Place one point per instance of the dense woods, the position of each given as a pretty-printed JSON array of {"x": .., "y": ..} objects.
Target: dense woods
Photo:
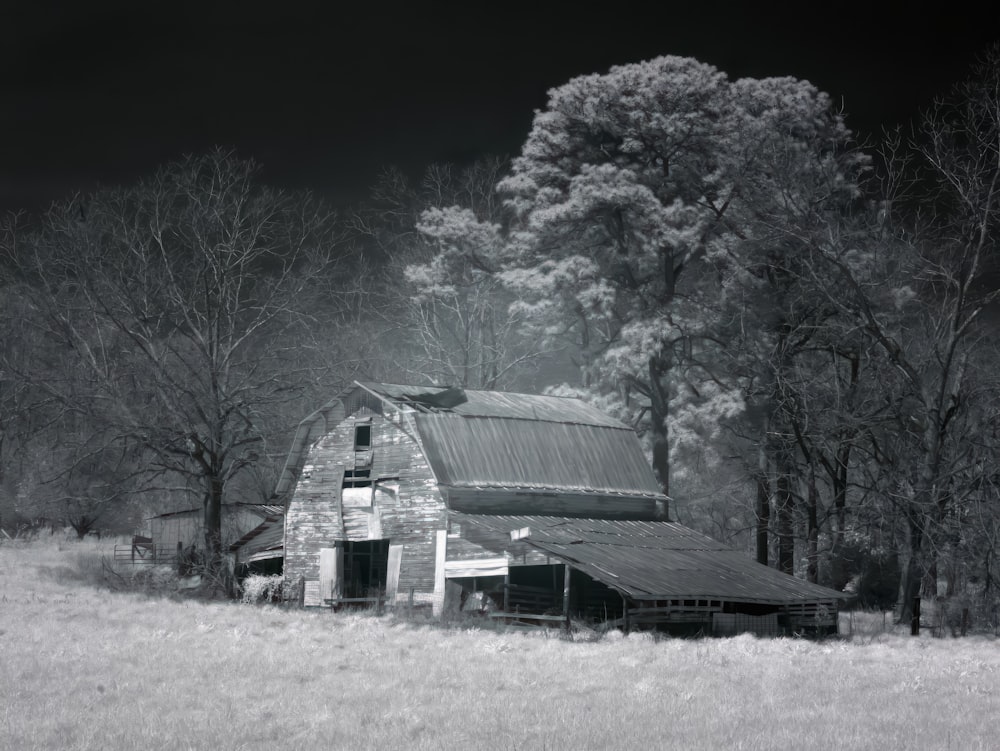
[{"x": 802, "y": 327}]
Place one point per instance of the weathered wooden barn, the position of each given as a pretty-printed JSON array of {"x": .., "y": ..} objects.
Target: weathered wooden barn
[{"x": 530, "y": 508}]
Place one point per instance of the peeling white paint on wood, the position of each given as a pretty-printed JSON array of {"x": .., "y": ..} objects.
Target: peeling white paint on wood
[
  {"x": 331, "y": 572},
  {"x": 470, "y": 568},
  {"x": 392, "y": 572},
  {"x": 441, "y": 551}
]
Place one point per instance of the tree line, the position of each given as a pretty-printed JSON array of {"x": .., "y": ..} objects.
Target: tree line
[{"x": 801, "y": 326}]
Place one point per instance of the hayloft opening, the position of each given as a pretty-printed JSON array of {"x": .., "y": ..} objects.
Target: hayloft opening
[
  {"x": 362, "y": 437},
  {"x": 357, "y": 478}
]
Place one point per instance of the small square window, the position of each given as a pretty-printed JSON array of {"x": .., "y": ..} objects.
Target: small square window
[{"x": 362, "y": 437}]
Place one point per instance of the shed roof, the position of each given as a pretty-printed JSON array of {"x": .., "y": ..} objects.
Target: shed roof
[
  {"x": 647, "y": 560},
  {"x": 266, "y": 540},
  {"x": 262, "y": 510}
]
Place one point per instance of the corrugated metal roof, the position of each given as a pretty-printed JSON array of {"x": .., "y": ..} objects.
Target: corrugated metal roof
[
  {"x": 495, "y": 452},
  {"x": 260, "y": 509},
  {"x": 266, "y": 540},
  {"x": 652, "y": 560},
  {"x": 558, "y": 409}
]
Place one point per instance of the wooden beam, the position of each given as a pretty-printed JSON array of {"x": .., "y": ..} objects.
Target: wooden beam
[
  {"x": 392, "y": 573},
  {"x": 440, "y": 555},
  {"x": 331, "y": 572},
  {"x": 566, "y": 575}
]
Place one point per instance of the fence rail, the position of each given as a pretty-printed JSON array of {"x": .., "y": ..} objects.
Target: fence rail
[{"x": 143, "y": 551}]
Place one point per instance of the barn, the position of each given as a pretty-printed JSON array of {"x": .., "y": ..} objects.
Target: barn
[{"x": 532, "y": 509}]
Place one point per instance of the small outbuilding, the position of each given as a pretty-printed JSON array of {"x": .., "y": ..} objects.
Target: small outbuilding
[{"x": 529, "y": 508}]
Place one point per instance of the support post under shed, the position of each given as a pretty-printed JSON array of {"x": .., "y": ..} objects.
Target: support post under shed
[{"x": 566, "y": 574}]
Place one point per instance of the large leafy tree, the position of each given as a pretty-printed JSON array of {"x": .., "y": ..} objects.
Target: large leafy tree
[
  {"x": 184, "y": 310},
  {"x": 642, "y": 193}
]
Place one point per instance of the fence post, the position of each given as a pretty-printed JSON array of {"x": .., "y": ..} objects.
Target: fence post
[{"x": 915, "y": 618}]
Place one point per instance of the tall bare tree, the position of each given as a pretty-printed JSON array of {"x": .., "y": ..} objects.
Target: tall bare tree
[{"x": 187, "y": 309}]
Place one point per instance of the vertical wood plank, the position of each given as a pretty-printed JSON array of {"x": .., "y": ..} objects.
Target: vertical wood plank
[
  {"x": 327, "y": 572},
  {"x": 392, "y": 573},
  {"x": 440, "y": 554},
  {"x": 338, "y": 578}
]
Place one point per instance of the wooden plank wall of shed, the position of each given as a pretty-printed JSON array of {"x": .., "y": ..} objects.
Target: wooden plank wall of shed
[
  {"x": 181, "y": 527},
  {"x": 407, "y": 511},
  {"x": 187, "y": 527}
]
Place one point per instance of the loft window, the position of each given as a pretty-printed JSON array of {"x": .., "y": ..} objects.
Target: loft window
[
  {"x": 362, "y": 437},
  {"x": 357, "y": 478},
  {"x": 357, "y": 489}
]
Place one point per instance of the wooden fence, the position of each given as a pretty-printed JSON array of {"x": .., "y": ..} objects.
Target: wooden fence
[{"x": 144, "y": 550}]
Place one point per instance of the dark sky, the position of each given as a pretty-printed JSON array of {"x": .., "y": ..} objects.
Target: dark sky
[{"x": 101, "y": 93}]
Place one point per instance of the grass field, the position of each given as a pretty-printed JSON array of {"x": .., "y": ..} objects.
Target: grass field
[{"x": 87, "y": 668}]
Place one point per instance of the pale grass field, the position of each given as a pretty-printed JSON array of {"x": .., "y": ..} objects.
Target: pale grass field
[{"x": 85, "y": 668}]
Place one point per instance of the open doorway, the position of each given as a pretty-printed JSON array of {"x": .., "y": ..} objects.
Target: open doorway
[{"x": 365, "y": 565}]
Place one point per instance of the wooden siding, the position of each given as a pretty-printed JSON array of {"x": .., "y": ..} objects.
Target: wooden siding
[
  {"x": 406, "y": 508},
  {"x": 187, "y": 527}
]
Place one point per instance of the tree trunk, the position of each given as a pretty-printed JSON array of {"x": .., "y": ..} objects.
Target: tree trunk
[
  {"x": 838, "y": 479},
  {"x": 658, "y": 419},
  {"x": 213, "y": 526},
  {"x": 763, "y": 510},
  {"x": 784, "y": 504},
  {"x": 912, "y": 570},
  {"x": 812, "y": 529}
]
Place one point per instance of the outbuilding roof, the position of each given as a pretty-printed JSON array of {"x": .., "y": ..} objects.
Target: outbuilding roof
[
  {"x": 645, "y": 560},
  {"x": 264, "y": 541}
]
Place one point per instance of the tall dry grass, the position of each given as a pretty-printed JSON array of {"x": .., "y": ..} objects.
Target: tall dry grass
[{"x": 88, "y": 668}]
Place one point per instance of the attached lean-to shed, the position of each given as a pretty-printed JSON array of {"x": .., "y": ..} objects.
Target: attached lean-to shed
[
  {"x": 641, "y": 573},
  {"x": 184, "y": 530},
  {"x": 530, "y": 508}
]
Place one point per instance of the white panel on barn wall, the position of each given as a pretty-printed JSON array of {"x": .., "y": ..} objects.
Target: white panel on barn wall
[
  {"x": 440, "y": 553},
  {"x": 470, "y": 568},
  {"x": 357, "y": 524},
  {"x": 330, "y": 572},
  {"x": 392, "y": 572},
  {"x": 357, "y": 497}
]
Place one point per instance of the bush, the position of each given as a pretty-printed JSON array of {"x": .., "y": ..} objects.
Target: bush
[{"x": 256, "y": 588}]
